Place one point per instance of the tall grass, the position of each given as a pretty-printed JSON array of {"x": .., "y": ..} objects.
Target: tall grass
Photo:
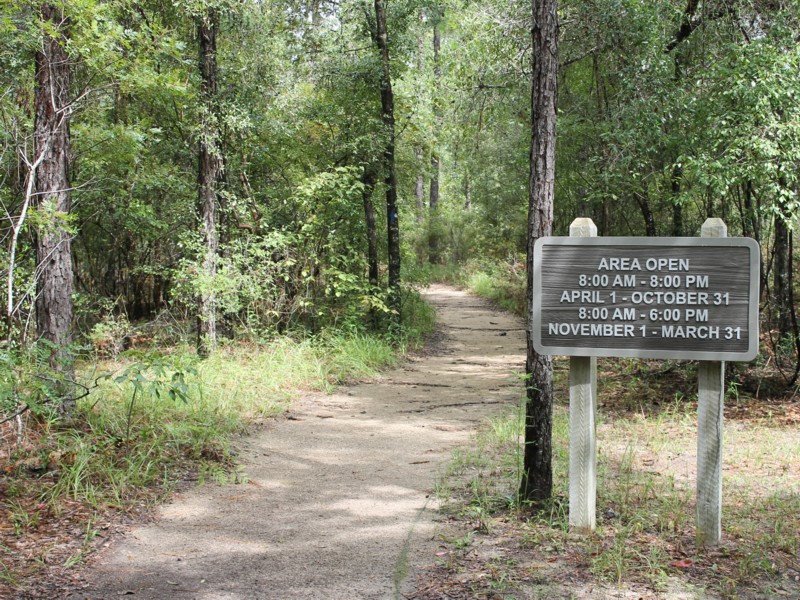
[
  {"x": 137, "y": 441},
  {"x": 502, "y": 282},
  {"x": 646, "y": 503},
  {"x": 151, "y": 420}
]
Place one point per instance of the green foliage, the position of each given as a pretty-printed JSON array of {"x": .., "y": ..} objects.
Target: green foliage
[
  {"x": 752, "y": 102},
  {"x": 29, "y": 383},
  {"x": 501, "y": 282},
  {"x": 311, "y": 271},
  {"x": 703, "y": 125},
  {"x": 645, "y": 504},
  {"x": 417, "y": 319}
]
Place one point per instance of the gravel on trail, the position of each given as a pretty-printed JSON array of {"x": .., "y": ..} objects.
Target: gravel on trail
[{"x": 339, "y": 497}]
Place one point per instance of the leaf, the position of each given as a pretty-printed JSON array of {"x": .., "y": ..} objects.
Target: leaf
[{"x": 686, "y": 563}]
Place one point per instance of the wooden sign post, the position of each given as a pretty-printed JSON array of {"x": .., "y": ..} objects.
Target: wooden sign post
[
  {"x": 582, "y": 424},
  {"x": 710, "y": 399},
  {"x": 681, "y": 298}
]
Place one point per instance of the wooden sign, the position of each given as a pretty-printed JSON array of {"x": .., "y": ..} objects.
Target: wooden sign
[{"x": 681, "y": 298}]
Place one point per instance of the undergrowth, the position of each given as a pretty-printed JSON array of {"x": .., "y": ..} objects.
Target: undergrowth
[
  {"x": 645, "y": 537},
  {"x": 153, "y": 419},
  {"x": 502, "y": 282}
]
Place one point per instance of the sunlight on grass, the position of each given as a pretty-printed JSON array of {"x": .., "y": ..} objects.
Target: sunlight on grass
[
  {"x": 646, "y": 501},
  {"x": 500, "y": 283},
  {"x": 156, "y": 417},
  {"x": 134, "y": 441}
]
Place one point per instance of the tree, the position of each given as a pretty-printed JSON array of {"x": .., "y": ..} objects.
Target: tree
[
  {"x": 369, "y": 179},
  {"x": 389, "y": 174},
  {"x": 209, "y": 176},
  {"x": 52, "y": 104},
  {"x": 537, "y": 476},
  {"x": 419, "y": 188},
  {"x": 433, "y": 203}
]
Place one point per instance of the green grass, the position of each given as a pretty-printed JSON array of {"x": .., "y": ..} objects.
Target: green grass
[
  {"x": 645, "y": 502},
  {"x": 154, "y": 420},
  {"x": 503, "y": 286},
  {"x": 132, "y": 440},
  {"x": 502, "y": 282}
]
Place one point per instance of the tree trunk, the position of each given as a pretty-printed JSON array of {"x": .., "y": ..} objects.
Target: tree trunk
[
  {"x": 433, "y": 200},
  {"x": 369, "y": 179},
  {"x": 420, "y": 189},
  {"x": 54, "y": 282},
  {"x": 782, "y": 278},
  {"x": 677, "y": 208},
  {"x": 467, "y": 191},
  {"x": 537, "y": 475},
  {"x": 390, "y": 179},
  {"x": 647, "y": 213},
  {"x": 420, "y": 152},
  {"x": 433, "y": 211},
  {"x": 752, "y": 216},
  {"x": 209, "y": 173}
]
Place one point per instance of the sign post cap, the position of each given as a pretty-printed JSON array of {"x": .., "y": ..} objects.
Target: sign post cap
[
  {"x": 583, "y": 227},
  {"x": 714, "y": 227}
]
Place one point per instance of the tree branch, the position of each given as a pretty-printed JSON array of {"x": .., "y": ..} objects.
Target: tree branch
[{"x": 689, "y": 23}]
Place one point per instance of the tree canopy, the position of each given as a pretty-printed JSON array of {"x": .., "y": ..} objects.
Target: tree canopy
[{"x": 669, "y": 112}]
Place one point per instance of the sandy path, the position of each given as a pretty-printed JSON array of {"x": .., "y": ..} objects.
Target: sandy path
[{"x": 340, "y": 494}]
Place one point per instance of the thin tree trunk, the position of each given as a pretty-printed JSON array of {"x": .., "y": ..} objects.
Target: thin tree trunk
[
  {"x": 537, "y": 475},
  {"x": 390, "y": 179},
  {"x": 752, "y": 217},
  {"x": 420, "y": 189},
  {"x": 53, "y": 240},
  {"x": 467, "y": 191},
  {"x": 209, "y": 173},
  {"x": 420, "y": 152},
  {"x": 433, "y": 211},
  {"x": 647, "y": 213},
  {"x": 782, "y": 278},
  {"x": 433, "y": 200},
  {"x": 677, "y": 208},
  {"x": 369, "y": 180}
]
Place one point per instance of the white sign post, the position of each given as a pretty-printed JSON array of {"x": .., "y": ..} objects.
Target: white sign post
[
  {"x": 679, "y": 298},
  {"x": 710, "y": 398},
  {"x": 582, "y": 423}
]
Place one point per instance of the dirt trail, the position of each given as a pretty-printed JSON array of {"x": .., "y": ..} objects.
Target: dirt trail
[{"x": 340, "y": 493}]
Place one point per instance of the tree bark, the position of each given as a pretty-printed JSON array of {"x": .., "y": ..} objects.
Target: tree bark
[
  {"x": 54, "y": 282},
  {"x": 647, "y": 213},
  {"x": 209, "y": 174},
  {"x": 420, "y": 152},
  {"x": 467, "y": 191},
  {"x": 689, "y": 23},
  {"x": 420, "y": 188},
  {"x": 537, "y": 475},
  {"x": 369, "y": 179},
  {"x": 782, "y": 277},
  {"x": 433, "y": 200},
  {"x": 677, "y": 208},
  {"x": 390, "y": 178},
  {"x": 752, "y": 217}
]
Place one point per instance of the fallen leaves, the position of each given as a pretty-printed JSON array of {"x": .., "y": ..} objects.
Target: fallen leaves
[{"x": 686, "y": 563}]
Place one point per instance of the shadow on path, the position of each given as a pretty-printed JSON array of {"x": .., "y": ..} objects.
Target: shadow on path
[{"x": 339, "y": 496}]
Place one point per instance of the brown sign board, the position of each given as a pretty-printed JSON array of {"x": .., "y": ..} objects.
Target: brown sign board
[{"x": 682, "y": 298}]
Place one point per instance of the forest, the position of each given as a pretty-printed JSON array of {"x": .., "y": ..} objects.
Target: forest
[
  {"x": 186, "y": 181},
  {"x": 258, "y": 166}
]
